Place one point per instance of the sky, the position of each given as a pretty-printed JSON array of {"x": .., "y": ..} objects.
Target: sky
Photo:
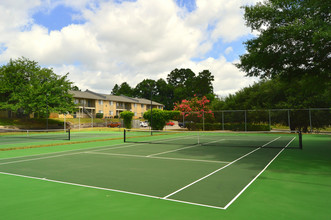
[{"x": 101, "y": 43}]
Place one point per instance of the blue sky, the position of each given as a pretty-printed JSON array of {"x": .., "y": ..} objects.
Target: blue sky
[
  {"x": 128, "y": 40},
  {"x": 57, "y": 18}
]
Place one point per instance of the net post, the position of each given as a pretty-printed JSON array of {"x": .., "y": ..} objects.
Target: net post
[
  {"x": 124, "y": 135},
  {"x": 300, "y": 140},
  {"x": 69, "y": 136}
]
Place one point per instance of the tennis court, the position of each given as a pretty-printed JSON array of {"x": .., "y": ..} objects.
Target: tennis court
[
  {"x": 205, "y": 169},
  {"x": 16, "y": 139}
]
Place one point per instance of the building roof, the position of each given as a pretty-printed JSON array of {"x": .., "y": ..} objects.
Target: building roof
[
  {"x": 98, "y": 96},
  {"x": 85, "y": 95}
]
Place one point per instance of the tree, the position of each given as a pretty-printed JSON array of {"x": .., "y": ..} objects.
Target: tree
[
  {"x": 186, "y": 84},
  {"x": 183, "y": 83},
  {"x": 158, "y": 117},
  {"x": 27, "y": 88},
  {"x": 127, "y": 117},
  {"x": 203, "y": 85},
  {"x": 123, "y": 89},
  {"x": 279, "y": 94},
  {"x": 164, "y": 94},
  {"x": 195, "y": 109},
  {"x": 294, "y": 39},
  {"x": 143, "y": 89}
]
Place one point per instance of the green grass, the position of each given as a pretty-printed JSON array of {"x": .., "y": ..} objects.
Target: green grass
[
  {"x": 296, "y": 185},
  {"x": 28, "y": 123}
]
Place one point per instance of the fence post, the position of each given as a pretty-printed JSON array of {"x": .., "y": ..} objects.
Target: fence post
[
  {"x": 64, "y": 122},
  {"x": 80, "y": 115},
  {"x": 203, "y": 120},
  {"x": 269, "y": 120},
  {"x": 223, "y": 120},
  {"x": 245, "y": 120},
  {"x": 289, "y": 119},
  {"x": 310, "y": 122}
]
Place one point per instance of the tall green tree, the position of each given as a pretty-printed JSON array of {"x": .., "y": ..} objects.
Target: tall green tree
[
  {"x": 204, "y": 85},
  {"x": 144, "y": 89},
  {"x": 164, "y": 94},
  {"x": 123, "y": 89},
  {"x": 28, "y": 88},
  {"x": 186, "y": 84},
  {"x": 294, "y": 39},
  {"x": 183, "y": 83}
]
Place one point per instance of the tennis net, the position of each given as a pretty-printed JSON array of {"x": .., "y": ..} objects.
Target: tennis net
[
  {"x": 219, "y": 139},
  {"x": 54, "y": 134}
]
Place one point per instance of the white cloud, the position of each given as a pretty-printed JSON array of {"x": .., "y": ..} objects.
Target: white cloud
[
  {"x": 228, "y": 50},
  {"x": 128, "y": 42}
]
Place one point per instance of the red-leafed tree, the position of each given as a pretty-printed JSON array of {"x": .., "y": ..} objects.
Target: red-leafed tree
[{"x": 195, "y": 109}]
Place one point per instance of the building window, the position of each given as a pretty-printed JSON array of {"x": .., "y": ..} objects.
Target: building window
[
  {"x": 142, "y": 105},
  {"x": 76, "y": 101},
  {"x": 111, "y": 113},
  {"x": 110, "y": 102},
  {"x": 135, "y": 114},
  {"x": 119, "y": 105},
  {"x": 135, "y": 105},
  {"x": 100, "y": 102},
  {"x": 100, "y": 111}
]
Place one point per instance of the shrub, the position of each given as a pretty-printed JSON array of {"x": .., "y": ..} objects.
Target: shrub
[
  {"x": 99, "y": 115},
  {"x": 227, "y": 126},
  {"x": 159, "y": 117},
  {"x": 127, "y": 118}
]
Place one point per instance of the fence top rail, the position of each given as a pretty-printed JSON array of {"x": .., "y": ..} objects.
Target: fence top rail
[{"x": 241, "y": 110}]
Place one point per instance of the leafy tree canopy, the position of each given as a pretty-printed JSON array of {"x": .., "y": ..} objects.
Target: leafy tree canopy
[
  {"x": 294, "y": 39},
  {"x": 123, "y": 89},
  {"x": 127, "y": 117},
  {"x": 195, "y": 109},
  {"x": 276, "y": 94},
  {"x": 158, "y": 118},
  {"x": 180, "y": 84},
  {"x": 26, "y": 87}
]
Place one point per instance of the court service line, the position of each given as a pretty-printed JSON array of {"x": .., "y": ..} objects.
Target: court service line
[
  {"x": 103, "y": 148},
  {"x": 40, "y": 158},
  {"x": 202, "y": 178},
  {"x": 164, "y": 158},
  {"x": 107, "y": 189},
  {"x": 81, "y": 185},
  {"x": 195, "y": 145},
  {"x": 235, "y": 198}
]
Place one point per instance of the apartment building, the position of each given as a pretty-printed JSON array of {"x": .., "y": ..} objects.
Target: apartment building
[{"x": 89, "y": 103}]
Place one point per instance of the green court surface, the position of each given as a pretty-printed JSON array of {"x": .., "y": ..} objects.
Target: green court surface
[
  {"x": 20, "y": 139},
  {"x": 266, "y": 178}
]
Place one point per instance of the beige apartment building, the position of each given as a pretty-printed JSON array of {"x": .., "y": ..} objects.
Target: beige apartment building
[{"x": 89, "y": 103}]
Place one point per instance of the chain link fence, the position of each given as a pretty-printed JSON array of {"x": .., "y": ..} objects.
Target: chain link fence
[{"x": 314, "y": 120}]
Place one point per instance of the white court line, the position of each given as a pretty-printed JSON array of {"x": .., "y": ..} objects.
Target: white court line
[
  {"x": 145, "y": 195},
  {"x": 172, "y": 150},
  {"x": 40, "y": 158},
  {"x": 165, "y": 158},
  {"x": 76, "y": 184},
  {"x": 234, "y": 199},
  {"x": 107, "y": 189},
  {"x": 217, "y": 170},
  {"x": 194, "y": 203},
  {"x": 104, "y": 147},
  {"x": 195, "y": 145}
]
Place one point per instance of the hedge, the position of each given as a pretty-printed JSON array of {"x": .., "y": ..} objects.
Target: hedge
[{"x": 227, "y": 126}]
